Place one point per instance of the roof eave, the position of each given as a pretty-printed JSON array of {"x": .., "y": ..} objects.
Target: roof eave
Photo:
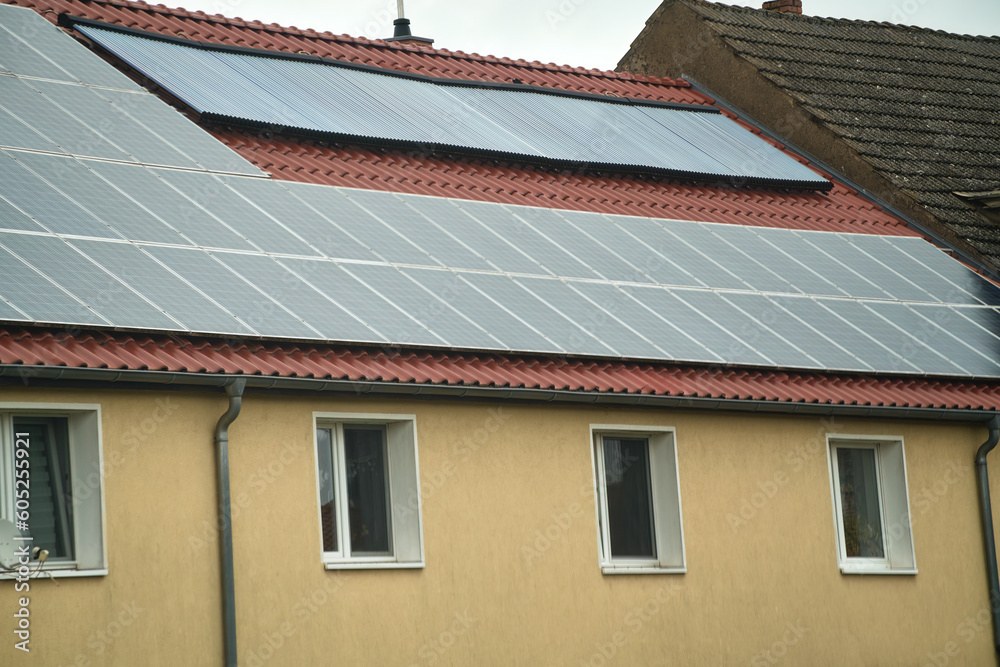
[{"x": 46, "y": 375}]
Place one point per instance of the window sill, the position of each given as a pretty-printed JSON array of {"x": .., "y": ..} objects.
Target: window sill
[
  {"x": 861, "y": 569},
  {"x": 372, "y": 565},
  {"x": 649, "y": 569},
  {"x": 56, "y": 574}
]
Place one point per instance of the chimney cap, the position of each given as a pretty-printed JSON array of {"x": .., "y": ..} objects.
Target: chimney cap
[
  {"x": 402, "y": 34},
  {"x": 783, "y": 6}
]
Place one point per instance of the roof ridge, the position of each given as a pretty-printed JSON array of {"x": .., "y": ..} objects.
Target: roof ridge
[
  {"x": 787, "y": 16},
  {"x": 382, "y": 44}
]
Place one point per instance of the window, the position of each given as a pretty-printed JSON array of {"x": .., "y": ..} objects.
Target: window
[
  {"x": 369, "y": 492},
  {"x": 871, "y": 508},
  {"x": 638, "y": 500},
  {"x": 50, "y": 468}
]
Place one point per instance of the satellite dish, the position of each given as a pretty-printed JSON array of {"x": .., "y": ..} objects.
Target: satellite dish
[{"x": 8, "y": 545}]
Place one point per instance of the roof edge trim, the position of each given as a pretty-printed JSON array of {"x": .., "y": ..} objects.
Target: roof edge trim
[
  {"x": 153, "y": 379},
  {"x": 70, "y": 21}
]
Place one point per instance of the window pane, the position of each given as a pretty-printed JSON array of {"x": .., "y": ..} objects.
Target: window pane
[
  {"x": 50, "y": 491},
  {"x": 327, "y": 504},
  {"x": 367, "y": 491},
  {"x": 630, "y": 515},
  {"x": 859, "y": 503}
]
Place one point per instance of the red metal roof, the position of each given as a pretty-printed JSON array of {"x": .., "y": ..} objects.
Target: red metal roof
[
  {"x": 122, "y": 351},
  {"x": 289, "y": 158}
]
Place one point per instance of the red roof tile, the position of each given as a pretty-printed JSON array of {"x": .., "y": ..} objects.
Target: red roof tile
[
  {"x": 121, "y": 351},
  {"x": 292, "y": 159}
]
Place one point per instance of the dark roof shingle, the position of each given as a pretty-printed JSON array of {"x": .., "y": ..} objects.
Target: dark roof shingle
[{"x": 921, "y": 106}]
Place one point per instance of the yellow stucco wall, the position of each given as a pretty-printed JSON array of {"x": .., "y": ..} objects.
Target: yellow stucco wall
[{"x": 510, "y": 536}]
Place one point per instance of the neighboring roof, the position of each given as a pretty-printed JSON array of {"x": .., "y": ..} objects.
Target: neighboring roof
[
  {"x": 420, "y": 172},
  {"x": 30, "y": 348},
  {"x": 920, "y": 106}
]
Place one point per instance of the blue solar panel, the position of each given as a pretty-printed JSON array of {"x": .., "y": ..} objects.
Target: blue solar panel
[
  {"x": 32, "y": 46},
  {"x": 213, "y": 194},
  {"x": 41, "y": 201},
  {"x": 104, "y": 202},
  {"x": 11, "y": 218},
  {"x": 180, "y": 300},
  {"x": 366, "y": 304},
  {"x": 9, "y": 312},
  {"x": 672, "y": 242},
  {"x": 56, "y": 96},
  {"x": 431, "y": 310},
  {"x": 580, "y": 247},
  {"x": 406, "y": 220},
  {"x": 489, "y": 231},
  {"x": 38, "y": 296},
  {"x": 295, "y": 294},
  {"x": 649, "y": 322},
  {"x": 570, "y": 336},
  {"x": 17, "y": 133},
  {"x": 753, "y": 320},
  {"x": 750, "y": 305},
  {"x": 92, "y": 109},
  {"x": 960, "y": 284},
  {"x": 540, "y": 125},
  {"x": 945, "y": 341},
  {"x": 23, "y": 99},
  {"x": 238, "y": 296},
  {"x": 594, "y": 315},
  {"x": 769, "y": 312},
  {"x": 363, "y": 227},
  {"x": 506, "y": 327},
  {"x": 191, "y": 221},
  {"x": 90, "y": 283},
  {"x": 702, "y": 327}
]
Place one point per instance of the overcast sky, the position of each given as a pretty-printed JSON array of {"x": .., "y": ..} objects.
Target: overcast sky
[{"x": 588, "y": 33}]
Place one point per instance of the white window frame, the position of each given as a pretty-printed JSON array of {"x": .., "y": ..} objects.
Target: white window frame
[
  {"x": 86, "y": 453},
  {"x": 894, "y": 504},
  {"x": 403, "y": 473},
  {"x": 668, "y": 524}
]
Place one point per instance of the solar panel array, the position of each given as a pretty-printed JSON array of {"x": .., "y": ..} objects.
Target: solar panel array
[
  {"x": 58, "y": 97},
  {"x": 374, "y": 106},
  {"x": 108, "y": 242},
  {"x": 129, "y": 246}
]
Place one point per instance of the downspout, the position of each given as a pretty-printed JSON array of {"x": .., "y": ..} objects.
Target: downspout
[
  {"x": 235, "y": 391},
  {"x": 982, "y": 473}
]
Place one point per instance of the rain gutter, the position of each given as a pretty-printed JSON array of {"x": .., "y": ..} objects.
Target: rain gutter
[
  {"x": 234, "y": 389},
  {"x": 986, "y": 512}
]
